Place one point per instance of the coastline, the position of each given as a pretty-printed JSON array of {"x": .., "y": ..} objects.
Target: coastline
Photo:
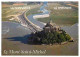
[{"x": 16, "y": 40}]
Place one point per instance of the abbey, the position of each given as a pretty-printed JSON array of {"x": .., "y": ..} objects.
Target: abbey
[
  {"x": 50, "y": 27},
  {"x": 51, "y": 34}
]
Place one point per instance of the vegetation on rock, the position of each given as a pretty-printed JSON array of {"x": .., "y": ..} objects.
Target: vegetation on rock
[
  {"x": 49, "y": 37},
  {"x": 50, "y": 34}
]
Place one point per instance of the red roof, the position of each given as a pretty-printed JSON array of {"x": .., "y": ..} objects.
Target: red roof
[{"x": 18, "y": 4}]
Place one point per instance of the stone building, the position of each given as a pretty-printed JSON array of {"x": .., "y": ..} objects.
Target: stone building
[{"x": 50, "y": 26}]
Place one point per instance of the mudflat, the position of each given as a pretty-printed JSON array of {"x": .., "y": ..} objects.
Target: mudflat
[{"x": 16, "y": 43}]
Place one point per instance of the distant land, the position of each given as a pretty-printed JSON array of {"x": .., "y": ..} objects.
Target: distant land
[{"x": 19, "y": 24}]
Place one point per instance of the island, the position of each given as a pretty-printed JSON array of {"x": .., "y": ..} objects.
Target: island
[{"x": 51, "y": 34}]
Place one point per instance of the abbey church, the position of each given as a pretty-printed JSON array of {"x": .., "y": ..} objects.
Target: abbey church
[{"x": 50, "y": 26}]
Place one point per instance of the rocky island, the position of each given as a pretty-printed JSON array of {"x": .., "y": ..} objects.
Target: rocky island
[{"x": 51, "y": 34}]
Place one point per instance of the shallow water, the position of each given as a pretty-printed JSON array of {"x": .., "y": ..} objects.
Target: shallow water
[
  {"x": 72, "y": 30},
  {"x": 45, "y": 11},
  {"x": 12, "y": 29},
  {"x": 15, "y": 30}
]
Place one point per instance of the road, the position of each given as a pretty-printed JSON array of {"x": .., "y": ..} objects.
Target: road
[
  {"x": 32, "y": 23},
  {"x": 25, "y": 23}
]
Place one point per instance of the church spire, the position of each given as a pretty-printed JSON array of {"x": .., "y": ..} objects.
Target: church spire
[{"x": 50, "y": 22}]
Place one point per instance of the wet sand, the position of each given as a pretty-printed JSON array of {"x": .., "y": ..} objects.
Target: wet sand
[{"x": 15, "y": 39}]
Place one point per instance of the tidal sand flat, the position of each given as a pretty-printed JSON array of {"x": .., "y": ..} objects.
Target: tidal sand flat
[
  {"x": 14, "y": 35},
  {"x": 11, "y": 41}
]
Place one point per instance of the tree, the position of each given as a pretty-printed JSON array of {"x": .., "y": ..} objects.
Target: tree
[
  {"x": 67, "y": 37},
  {"x": 50, "y": 37}
]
